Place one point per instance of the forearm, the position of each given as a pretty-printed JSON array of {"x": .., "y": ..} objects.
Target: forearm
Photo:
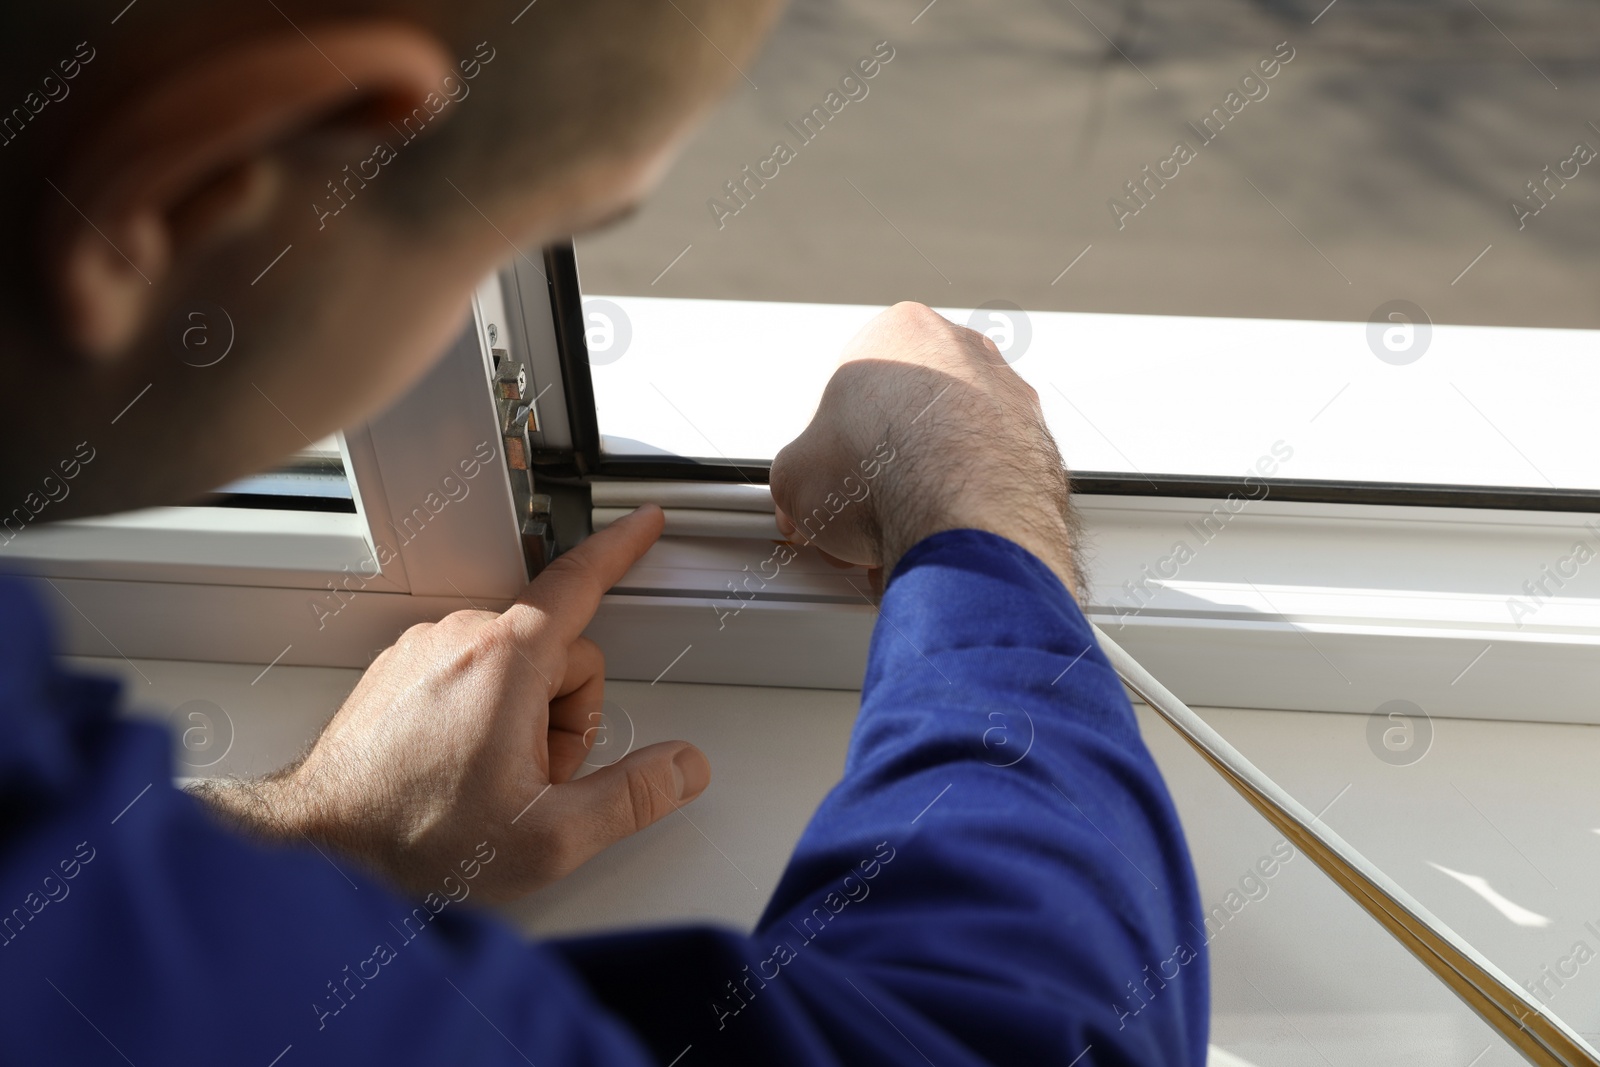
[
  {"x": 287, "y": 807},
  {"x": 1038, "y": 867},
  {"x": 266, "y": 808}
]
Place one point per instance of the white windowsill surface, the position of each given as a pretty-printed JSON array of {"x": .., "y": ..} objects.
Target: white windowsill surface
[{"x": 1299, "y": 972}]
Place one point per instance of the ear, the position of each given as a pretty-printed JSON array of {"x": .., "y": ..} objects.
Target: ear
[{"x": 194, "y": 152}]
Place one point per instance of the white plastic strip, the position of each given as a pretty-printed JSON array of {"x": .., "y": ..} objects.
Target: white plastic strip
[
  {"x": 702, "y": 522},
  {"x": 705, "y": 496}
]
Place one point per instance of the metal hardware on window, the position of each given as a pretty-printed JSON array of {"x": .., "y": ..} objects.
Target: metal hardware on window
[{"x": 517, "y": 421}]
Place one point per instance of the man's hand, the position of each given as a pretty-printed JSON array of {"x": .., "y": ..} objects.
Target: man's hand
[
  {"x": 471, "y": 730},
  {"x": 923, "y": 428}
]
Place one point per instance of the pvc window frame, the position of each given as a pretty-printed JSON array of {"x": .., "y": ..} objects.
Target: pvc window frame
[
  {"x": 1322, "y": 596},
  {"x": 269, "y": 586}
]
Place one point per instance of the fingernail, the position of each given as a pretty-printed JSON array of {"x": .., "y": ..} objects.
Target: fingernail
[{"x": 690, "y": 773}]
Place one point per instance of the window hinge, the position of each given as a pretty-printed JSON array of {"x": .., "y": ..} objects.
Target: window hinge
[{"x": 517, "y": 423}]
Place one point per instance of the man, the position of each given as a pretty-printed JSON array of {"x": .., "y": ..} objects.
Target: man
[{"x": 168, "y": 152}]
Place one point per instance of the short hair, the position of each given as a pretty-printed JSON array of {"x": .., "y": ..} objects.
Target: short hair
[
  {"x": 571, "y": 81},
  {"x": 578, "y": 80}
]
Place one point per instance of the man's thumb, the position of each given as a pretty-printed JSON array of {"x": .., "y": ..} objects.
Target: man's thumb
[{"x": 641, "y": 788}]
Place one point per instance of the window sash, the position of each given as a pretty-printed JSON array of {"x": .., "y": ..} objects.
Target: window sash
[{"x": 305, "y": 587}]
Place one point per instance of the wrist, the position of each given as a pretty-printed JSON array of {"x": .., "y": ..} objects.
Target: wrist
[
  {"x": 1047, "y": 528},
  {"x": 1051, "y": 550},
  {"x": 266, "y": 807}
]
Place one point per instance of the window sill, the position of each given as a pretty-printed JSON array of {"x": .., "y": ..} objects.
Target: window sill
[
  {"x": 209, "y": 545},
  {"x": 1306, "y": 607}
]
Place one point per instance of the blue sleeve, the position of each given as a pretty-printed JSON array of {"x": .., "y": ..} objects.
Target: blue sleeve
[
  {"x": 134, "y": 929},
  {"x": 1000, "y": 878}
]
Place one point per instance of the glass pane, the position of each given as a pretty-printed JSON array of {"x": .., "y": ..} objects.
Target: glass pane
[
  {"x": 1361, "y": 233},
  {"x": 313, "y": 479}
]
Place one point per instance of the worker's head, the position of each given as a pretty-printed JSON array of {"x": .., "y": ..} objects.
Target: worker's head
[{"x": 333, "y": 175}]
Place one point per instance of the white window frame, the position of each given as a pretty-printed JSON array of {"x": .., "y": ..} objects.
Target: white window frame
[
  {"x": 1340, "y": 604},
  {"x": 247, "y": 585},
  {"x": 1301, "y": 605},
  {"x": 1266, "y": 617}
]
